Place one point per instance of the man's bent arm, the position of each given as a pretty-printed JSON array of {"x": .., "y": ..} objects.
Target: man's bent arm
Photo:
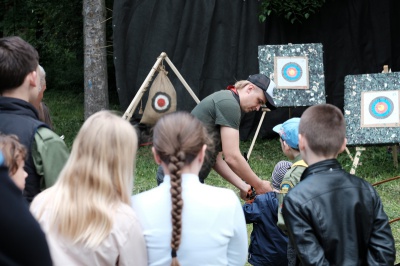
[
  {"x": 235, "y": 160},
  {"x": 223, "y": 170}
]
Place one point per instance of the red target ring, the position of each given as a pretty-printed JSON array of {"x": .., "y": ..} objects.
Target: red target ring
[{"x": 161, "y": 102}]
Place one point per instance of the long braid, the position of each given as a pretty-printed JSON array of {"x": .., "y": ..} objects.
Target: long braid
[
  {"x": 178, "y": 138},
  {"x": 175, "y": 166}
]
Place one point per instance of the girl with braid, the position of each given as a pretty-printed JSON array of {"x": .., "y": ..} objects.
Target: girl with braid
[{"x": 186, "y": 222}]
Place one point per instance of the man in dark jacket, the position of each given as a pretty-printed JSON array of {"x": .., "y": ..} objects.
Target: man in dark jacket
[
  {"x": 19, "y": 87},
  {"x": 333, "y": 217}
]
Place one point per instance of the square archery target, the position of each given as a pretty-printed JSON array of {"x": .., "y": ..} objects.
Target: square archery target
[
  {"x": 371, "y": 108},
  {"x": 380, "y": 109},
  {"x": 298, "y": 72},
  {"x": 291, "y": 72}
]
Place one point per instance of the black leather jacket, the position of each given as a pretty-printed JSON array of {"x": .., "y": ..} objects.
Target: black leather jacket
[{"x": 335, "y": 218}]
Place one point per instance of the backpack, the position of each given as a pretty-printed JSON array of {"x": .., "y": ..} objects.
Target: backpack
[{"x": 288, "y": 182}]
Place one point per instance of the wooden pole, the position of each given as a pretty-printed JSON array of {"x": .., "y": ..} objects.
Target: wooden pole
[
  {"x": 131, "y": 108},
  {"x": 386, "y": 180},
  {"x": 356, "y": 159},
  {"x": 182, "y": 79},
  {"x": 256, "y": 134}
]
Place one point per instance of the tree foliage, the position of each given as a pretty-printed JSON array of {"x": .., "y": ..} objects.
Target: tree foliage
[
  {"x": 292, "y": 10},
  {"x": 55, "y": 29}
]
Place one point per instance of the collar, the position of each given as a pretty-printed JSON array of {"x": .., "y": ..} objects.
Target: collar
[
  {"x": 321, "y": 166},
  {"x": 234, "y": 93},
  {"x": 18, "y": 106},
  {"x": 186, "y": 179}
]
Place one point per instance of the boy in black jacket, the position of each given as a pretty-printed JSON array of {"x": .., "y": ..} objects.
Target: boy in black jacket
[{"x": 333, "y": 217}]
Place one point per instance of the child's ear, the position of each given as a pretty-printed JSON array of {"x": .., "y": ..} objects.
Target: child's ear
[
  {"x": 343, "y": 147},
  {"x": 157, "y": 158},
  {"x": 301, "y": 142}
]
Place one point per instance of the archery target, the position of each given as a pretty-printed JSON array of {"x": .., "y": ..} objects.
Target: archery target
[
  {"x": 161, "y": 102},
  {"x": 291, "y": 72},
  {"x": 380, "y": 109}
]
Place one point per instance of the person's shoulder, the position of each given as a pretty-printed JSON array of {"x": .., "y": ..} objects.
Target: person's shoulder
[
  {"x": 148, "y": 198},
  {"x": 45, "y": 134},
  {"x": 222, "y": 95},
  {"x": 40, "y": 199},
  {"x": 126, "y": 211},
  {"x": 125, "y": 221}
]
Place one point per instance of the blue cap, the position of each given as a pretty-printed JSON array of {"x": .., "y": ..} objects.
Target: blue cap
[{"x": 289, "y": 132}]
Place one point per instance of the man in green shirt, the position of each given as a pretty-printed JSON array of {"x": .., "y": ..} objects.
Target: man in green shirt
[{"x": 221, "y": 113}]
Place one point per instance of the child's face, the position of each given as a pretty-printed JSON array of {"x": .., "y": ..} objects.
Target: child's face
[{"x": 20, "y": 175}]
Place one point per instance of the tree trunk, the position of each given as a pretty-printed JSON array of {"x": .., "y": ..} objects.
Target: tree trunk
[{"x": 95, "y": 56}]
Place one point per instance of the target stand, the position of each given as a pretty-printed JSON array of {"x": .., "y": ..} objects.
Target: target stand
[
  {"x": 163, "y": 56},
  {"x": 372, "y": 112}
]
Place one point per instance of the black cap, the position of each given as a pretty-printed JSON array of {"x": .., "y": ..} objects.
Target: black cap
[{"x": 267, "y": 85}]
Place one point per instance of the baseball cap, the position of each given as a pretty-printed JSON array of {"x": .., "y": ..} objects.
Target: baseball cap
[
  {"x": 267, "y": 85},
  {"x": 289, "y": 132}
]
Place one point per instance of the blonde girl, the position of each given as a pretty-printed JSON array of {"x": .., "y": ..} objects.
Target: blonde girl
[{"x": 86, "y": 215}]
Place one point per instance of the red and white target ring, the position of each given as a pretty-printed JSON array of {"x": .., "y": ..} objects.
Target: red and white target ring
[{"x": 161, "y": 102}]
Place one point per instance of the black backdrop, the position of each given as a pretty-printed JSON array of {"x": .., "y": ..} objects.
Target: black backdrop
[{"x": 215, "y": 42}]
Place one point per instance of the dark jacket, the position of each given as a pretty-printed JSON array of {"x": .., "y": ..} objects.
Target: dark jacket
[
  {"x": 22, "y": 241},
  {"x": 268, "y": 244},
  {"x": 335, "y": 218},
  {"x": 20, "y": 118}
]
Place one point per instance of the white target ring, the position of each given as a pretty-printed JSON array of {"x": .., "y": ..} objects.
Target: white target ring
[{"x": 161, "y": 102}]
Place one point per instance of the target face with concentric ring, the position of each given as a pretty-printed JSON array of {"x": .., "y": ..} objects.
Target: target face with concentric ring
[
  {"x": 291, "y": 72},
  {"x": 161, "y": 102},
  {"x": 381, "y": 107}
]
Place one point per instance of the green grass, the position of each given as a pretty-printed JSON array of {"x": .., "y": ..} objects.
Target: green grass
[{"x": 376, "y": 164}]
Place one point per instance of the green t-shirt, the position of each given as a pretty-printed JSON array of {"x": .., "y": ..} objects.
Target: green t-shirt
[{"x": 216, "y": 110}]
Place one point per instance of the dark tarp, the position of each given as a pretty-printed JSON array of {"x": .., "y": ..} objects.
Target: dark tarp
[{"x": 213, "y": 43}]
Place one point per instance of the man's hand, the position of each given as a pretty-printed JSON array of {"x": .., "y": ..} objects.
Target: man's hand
[
  {"x": 264, "y": 187},
  {"x": 244, "y": 192}
]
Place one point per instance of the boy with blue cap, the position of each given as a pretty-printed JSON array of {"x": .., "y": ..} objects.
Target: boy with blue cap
[{"x": 289, "y": 139}]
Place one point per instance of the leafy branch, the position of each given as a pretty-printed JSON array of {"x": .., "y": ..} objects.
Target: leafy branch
[{"x": 292, "y": 10}]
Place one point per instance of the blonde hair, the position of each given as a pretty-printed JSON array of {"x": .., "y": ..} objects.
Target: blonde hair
[
  {"x": 178, "y": 138},
  {"x": 13, "y": 152},
  {"x": 241, "y": 84},
  {"x": 97, "y": 177}
]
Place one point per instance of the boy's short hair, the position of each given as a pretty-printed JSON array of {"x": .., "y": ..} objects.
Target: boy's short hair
[
  {"x": 17, "y": 59},
  {"x": 324, "y": 128}
]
